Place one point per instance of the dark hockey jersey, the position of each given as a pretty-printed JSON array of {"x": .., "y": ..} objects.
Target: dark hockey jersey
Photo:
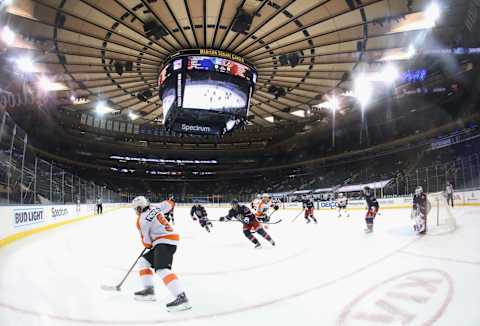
[
  {"x": 199, "y": 211},
  {"x": 243, "y": 214},
  {"x": 371, "y": 201},
  {"x": 420, "y": 202},
  {"x": 307, "y": 203}
]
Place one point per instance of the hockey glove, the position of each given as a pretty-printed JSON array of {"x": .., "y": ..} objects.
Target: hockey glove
[{"x": 275, "y": 207}]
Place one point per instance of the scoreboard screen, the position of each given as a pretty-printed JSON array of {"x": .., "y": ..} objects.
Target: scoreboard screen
[
  {"x": 205, "y": 94},
  {"x": 218, "y": 64}
]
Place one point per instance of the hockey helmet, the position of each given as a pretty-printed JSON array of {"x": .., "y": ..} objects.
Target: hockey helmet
[
  {"x": 234, "y": 203},
  {"x": 265, "y": 195},
  {"x": 140, "y": 202},
  {"x": 366, "y": 190},
  {"x": 419, "y": 190}
]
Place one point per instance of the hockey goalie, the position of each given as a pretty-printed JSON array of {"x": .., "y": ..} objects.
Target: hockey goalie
[{"x": 420, "y": 209}]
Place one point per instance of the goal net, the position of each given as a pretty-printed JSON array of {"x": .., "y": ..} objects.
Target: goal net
[{"x": 441, "y": 219}]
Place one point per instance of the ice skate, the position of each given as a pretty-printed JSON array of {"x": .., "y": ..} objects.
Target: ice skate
[
  {"x": 258, "y": 245},
  {"x": 272, "y": 242},
  {"x": 179, "y": 304},
  {"x": 147, "y": 294}
]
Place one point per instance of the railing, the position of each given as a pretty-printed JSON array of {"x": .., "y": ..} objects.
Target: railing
[
  {"x": 27, "y": 179},
  {"x": 463, "y": 173}
]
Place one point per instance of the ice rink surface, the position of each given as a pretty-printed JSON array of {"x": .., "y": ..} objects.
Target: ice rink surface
[{"x": 326, "y": 274}]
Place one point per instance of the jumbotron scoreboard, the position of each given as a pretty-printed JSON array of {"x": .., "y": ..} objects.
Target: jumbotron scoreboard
[{"x": 206, "y": 91}]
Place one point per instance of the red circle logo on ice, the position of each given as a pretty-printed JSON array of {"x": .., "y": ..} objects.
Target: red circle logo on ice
[{"x": 418, "y": 297}]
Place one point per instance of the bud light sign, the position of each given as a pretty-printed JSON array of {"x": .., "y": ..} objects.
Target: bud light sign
[{"x": 27, "y": 216}]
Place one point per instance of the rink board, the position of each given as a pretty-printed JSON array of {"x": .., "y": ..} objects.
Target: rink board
[{"x": 21, "y": 221}]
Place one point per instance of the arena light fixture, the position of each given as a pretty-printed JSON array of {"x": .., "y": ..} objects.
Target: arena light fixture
[
  {"x": 230, "y": 124},
  {"x": 411, "y": 52},
  {"x": 133, "y": 116},
  {"x": 432, "y": 14},
  {"x": 333, "y": 105},
  {"x": 26, "y": 64},
  {"x": 102, "y": 108},
  {"x": 270, "y": 119},
  {"x": 8, "y": 36},
  {"x": 389, "y": 74},
  {"x": 299, "y": 113},
  {"x": 363, "y": 90},
  {"x": 47, "y": 85}
]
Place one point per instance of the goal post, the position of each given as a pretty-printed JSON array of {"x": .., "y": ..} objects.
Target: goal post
[{"x": 441, "y": 218}]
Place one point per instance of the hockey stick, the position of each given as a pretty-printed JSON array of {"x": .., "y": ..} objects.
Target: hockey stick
[
  {"x": 119, "y": 285},
  {"x": 276, "y": 222},
  {"x": 298, "y": 215}
]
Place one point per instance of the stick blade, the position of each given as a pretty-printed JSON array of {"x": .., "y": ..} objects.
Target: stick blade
[{"x": 110, "y": 287}]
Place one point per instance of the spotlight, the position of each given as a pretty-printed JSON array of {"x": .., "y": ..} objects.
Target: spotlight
[
  {"x": 8, "y": 36},
  {"x": 45, "y": 84},
  {"x": 25, "y": 64},
  {"x": 389, "y": 74},
  {"x": 363, "y": 90},
  {"x": 102, "y": 108},
  {"x": 432, "y": 14},
  {"x": 132, "y": 116},
  {"x": 411, "y": 52},
  {"x": 333, "y": 103}
]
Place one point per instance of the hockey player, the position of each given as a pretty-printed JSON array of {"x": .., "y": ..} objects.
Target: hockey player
[
  {"x": 250, "y": 223},
  {"x": 263, "y": 206},
  {"x": 420, "y": 209},
  {"x": 198, "y": 211},
  {"x": 256, "y": 202},
  {"x": 158, "y": 236},
  {"x": 342, "y": 202},
  {"x": 372, "y": 205},
  {"x": 308, "y": 208}
]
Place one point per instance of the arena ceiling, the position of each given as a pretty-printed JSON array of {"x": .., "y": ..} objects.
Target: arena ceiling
[{"x": 80, "y": 43}]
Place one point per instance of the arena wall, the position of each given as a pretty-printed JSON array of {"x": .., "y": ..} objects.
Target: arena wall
[{"x": 17, "y": 222}]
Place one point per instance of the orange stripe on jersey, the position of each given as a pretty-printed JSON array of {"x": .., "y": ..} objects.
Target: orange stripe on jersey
[
  {"x": 146, "y": 271},
  {"x": 146, "y": 245},
  {"x": 169, "y": 278},
  {"x": 172, "y": 236}
]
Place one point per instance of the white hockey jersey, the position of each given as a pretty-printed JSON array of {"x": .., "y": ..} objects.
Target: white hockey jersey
[
  {"x": 342, "y": 201},
  {"x": 165, "y": 206},
  {"x": 155, "y": 229},
  {"x": 255, "y": 203},
  {"x": 262, "y": 208}
]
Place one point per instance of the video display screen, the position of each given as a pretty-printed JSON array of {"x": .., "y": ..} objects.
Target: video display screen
[
  {"x": 220, "y": 65},
  {"x": 204, "y": 94},
  {"x": 215, "y": 93},
  {"x": 164, "y": 74},
  {"x": 169, "y": 95}
]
